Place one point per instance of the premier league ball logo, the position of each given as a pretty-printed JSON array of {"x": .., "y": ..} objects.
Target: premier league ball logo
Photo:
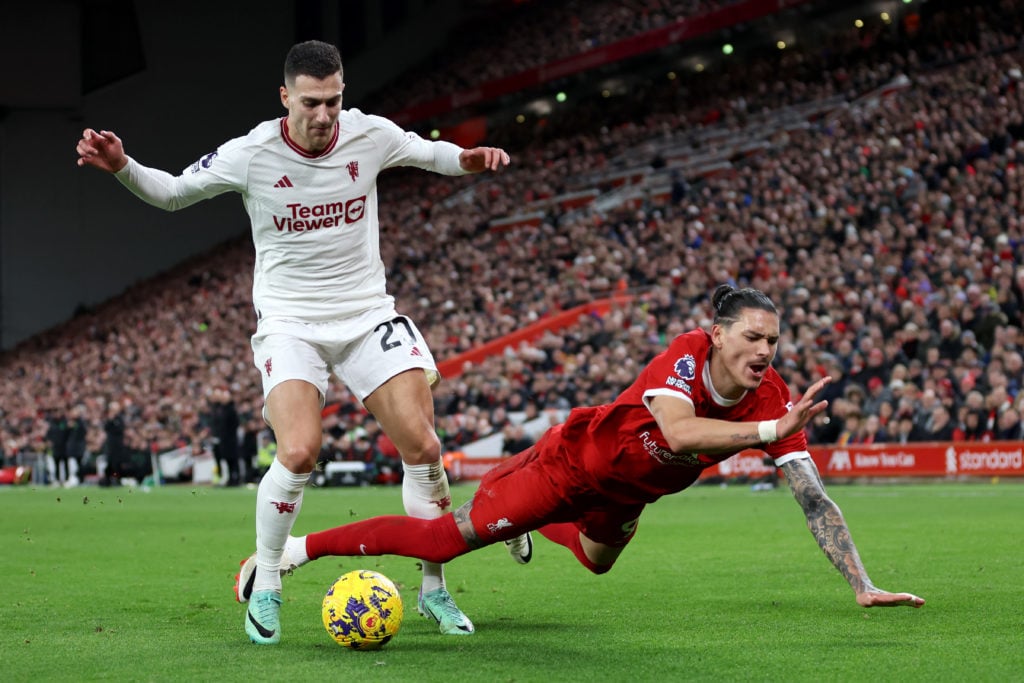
[
  {"x": 686, "y": 367},
  {"x": 362, "y": 610}
]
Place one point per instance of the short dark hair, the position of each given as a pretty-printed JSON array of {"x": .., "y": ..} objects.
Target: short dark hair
[
  {"x": 728, "y": 302},
  {"x": 312, "y": 58}
]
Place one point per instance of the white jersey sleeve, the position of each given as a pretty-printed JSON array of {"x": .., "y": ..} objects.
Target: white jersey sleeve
[
  {"x": 405, "y": 148},
  {"x": 171, "y": 193}
]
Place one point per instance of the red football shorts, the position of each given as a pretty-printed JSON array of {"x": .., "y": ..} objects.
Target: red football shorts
[{"x": 543, "y": 485}]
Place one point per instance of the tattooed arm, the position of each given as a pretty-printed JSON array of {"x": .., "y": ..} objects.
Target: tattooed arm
[{"x": 826, "y": 523}]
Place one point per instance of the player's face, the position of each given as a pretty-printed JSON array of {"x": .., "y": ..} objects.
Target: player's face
[
  {"x": 743, "y": 351},
  {"x": 313, "y": 106}
]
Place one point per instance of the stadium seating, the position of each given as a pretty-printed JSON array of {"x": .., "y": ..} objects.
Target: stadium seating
[{"x": 872, "y": 192}]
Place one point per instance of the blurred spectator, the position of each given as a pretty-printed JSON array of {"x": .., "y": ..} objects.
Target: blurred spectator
[
  {"x": 1009, "y": 426},
  {"x": 878, "y": 395},
  {"x": 872, "y": 431},
  {"x": 249, "y": 448},
  {"x": 516, "y": 439},
  {"x": 875, "y": 372},
  {"x": 78, "y": 432},
  {"x": 972, "y": 426},
  {"x": 906, "y": 431},
  {"x": 114, "y": 446},
  {"x": 950, "y": 346},
  {"x": 57, "y": 435},
  {"x": 224, "y": 424},
  {"x": 851, "y": 431},
  {"x": 939, "y": 426}
]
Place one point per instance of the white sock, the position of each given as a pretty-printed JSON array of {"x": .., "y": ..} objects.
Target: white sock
[
  {"x": 278, "y": 501},
  {"x": 426, "y": 495},
  {"x": 295, "y": 549}
]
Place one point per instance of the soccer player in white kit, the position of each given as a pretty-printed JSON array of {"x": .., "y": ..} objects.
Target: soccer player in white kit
[{"x": 309, "y": 184}]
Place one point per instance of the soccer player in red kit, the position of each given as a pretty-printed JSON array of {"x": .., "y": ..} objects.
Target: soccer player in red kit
[{"x": 586, "y": 482}]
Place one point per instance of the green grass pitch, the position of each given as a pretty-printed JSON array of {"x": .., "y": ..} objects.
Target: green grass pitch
[{"x": 719, "y": 584}]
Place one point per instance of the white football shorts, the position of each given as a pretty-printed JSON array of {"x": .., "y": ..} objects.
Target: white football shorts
[{"x": 363, "y": 351}]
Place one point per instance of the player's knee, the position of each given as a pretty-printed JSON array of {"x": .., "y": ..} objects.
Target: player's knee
[
  {"x": 299, "y": 457},
  {"x": 425, "y": 449}
]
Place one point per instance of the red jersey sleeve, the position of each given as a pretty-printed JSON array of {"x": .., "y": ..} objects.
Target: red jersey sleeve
[{"x": 678, "y": 370}]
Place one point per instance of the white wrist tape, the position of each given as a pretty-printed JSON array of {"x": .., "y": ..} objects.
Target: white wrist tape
[{"x": 768, "y": 430}]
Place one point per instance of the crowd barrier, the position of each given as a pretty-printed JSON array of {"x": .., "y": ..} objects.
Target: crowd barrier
[
  {"x": 949, "y": 460},
  {"x": 934, "y": 460}
]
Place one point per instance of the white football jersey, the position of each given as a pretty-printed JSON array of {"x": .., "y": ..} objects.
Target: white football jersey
[{"x": 314, "y": 217}]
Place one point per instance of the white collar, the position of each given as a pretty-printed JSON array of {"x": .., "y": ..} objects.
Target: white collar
[{"x": 715, "y": 396}]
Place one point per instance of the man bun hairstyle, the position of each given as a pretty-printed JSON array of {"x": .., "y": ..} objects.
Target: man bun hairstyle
[
  {"x": 313, "y": 58},
  {"x": 729, "y": 302}
]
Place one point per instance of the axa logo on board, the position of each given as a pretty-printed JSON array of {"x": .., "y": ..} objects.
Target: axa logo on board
[{"x": 303, "y": 218}]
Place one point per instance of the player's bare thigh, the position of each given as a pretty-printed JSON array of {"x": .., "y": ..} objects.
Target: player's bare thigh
[
  {"x": 614, "y": 524},
  {"x": 599, "y": 553},
  {"x": 293, "y": 410},
  {"x": 404, "y": 408}
]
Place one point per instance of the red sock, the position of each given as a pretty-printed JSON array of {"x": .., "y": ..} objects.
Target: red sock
[
  {"x": 433, "y": 540},
  {"x": 568, "y": 535}
]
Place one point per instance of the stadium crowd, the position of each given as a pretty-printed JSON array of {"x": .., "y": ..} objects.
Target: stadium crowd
[
  {"x": 886, "y": 227},
  {"x": 497, "y": 43}
]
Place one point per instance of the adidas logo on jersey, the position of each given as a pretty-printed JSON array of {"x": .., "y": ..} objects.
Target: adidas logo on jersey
[{"x": 283, "y": 182}]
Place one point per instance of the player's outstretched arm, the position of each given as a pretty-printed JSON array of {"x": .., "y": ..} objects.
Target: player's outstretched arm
[
  {"x": 826, "y": 523},
  {"x": 102, "y": 150},
  {"x": 687, "y": 433},
  {"x": 480, "y": 159}
]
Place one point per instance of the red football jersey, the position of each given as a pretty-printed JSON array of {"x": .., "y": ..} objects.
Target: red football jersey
[{"x": 624, "y": 451}]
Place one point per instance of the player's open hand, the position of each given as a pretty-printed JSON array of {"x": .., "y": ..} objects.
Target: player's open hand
[
  {"x": 879, "y": 598},
  {"x": 803, "y": 411},
  {"x": 483, "y": 159},
  {"x": 102, "y": 150}
]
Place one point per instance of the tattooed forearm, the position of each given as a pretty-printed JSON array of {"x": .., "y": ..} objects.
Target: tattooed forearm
[{"x": 826, "y": 522}]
